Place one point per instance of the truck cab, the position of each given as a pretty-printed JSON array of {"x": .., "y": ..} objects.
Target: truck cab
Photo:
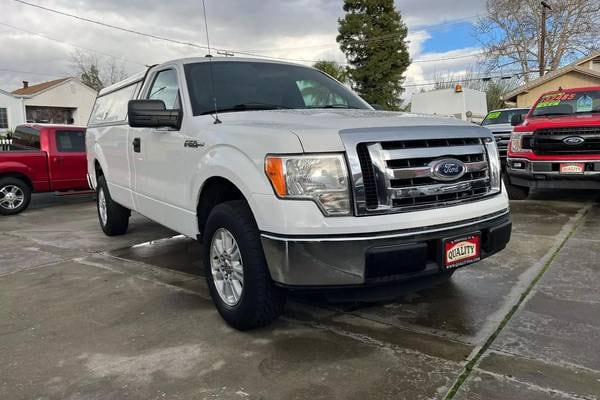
[
  {"x": 557, "y": 145},
  {"x": 41, "y": 158},
  {"x": 291, "y": 181}
]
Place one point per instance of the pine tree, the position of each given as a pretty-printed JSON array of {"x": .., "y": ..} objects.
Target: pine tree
[
  {"x": 373, "y": 37},
  {"x": 332, "y": 69}
]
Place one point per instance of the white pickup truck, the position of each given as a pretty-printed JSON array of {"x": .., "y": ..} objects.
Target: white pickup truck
[{"x": 292, "y": 181}]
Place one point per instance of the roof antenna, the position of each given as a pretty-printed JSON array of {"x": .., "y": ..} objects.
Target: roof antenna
[{"x": 212, "y": 76}]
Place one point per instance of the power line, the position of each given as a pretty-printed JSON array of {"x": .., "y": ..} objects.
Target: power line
[
  {"x": 27, "y": 72},
  {"x": 425, "y": 60},
  {"x": 70, "y": 44},
  {"x": 482, "y": 78},
  {"x": 205, "y": 47},
  {"x": 92, "y": 21}
]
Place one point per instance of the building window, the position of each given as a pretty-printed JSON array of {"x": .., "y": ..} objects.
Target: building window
[
  {"x": 49, "y": 115},
  {"x": 3, "y": 118}
]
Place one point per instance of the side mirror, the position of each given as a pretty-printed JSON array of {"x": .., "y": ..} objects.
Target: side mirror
[
  {"x": 152, "y": 114},
  {"x": 516, "y": 119},
  {"x": 377, "y": 107}
]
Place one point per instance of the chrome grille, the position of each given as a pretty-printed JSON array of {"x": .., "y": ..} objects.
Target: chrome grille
[
  {"x": 502, "y": 140},
  {"x": 396, "y": 175}
]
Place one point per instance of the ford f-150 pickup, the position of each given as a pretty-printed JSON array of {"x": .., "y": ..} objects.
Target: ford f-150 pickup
[
  {"x": 41, "y": 158},
  {"x": 292, "y": 181},
  {"x": 557, "y": 145}
]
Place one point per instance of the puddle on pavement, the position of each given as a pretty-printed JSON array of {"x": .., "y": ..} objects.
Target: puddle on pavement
[{"x": 177, "y": 253}]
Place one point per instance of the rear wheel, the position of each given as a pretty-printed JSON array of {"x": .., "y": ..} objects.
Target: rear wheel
[
  {"x": 113, "y": 217},
  {"x": 516, "y": 192},
  {"x": 236, "y": 269},
  {"x": 15, "y": 196}
]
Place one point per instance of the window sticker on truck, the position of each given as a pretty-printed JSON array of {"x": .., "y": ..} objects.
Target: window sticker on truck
[
  {"x": 585, "y": 104},
  {"x": 551, "y": 103},
  {"x": 558, "y": 96},
  {"x": 493, "y": 115}
]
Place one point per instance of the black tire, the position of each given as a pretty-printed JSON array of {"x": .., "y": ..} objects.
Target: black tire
[
  {"x": 516, "y": 192},
  {"x": 22, "y": 189},
  {"x": 117, "y": 216},
  {"x": 261, "y": 301}
]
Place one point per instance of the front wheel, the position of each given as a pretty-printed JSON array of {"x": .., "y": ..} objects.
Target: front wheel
[
  {"x": 113, "y": 217},
  {"x": 236, "y": 269},
  {"x": 15, "y": 196}
]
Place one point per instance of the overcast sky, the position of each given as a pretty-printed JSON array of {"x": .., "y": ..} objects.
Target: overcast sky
[{"x": 298, "y": 29}]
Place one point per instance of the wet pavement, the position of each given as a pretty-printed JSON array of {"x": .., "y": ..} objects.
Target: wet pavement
[{"x": 84, "y": 316}]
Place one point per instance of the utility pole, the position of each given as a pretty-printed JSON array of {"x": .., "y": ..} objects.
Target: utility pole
[{"x": 542, "y": 41}]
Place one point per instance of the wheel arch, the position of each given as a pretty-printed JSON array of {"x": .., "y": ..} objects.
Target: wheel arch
[
  {"x": 216, "y": 190},
  {"x": 18, "y": 175}
]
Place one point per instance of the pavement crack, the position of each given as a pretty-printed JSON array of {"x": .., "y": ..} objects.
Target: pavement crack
[{"x": 572, "y": 226}]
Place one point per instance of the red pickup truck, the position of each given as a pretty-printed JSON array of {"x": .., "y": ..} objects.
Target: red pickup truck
[
  {"x": 41, "y": 158},
  {"x": 557, "y": 145}
]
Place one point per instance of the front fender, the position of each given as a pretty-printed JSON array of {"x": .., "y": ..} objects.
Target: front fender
[{"x": 232, "y": 164}]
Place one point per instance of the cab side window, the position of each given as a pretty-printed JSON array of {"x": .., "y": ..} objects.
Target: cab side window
[
  {"x": 70, "y": 141},
  {"x": 166, "y": 88}
]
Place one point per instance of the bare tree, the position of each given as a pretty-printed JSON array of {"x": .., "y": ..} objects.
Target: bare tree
[
  {"x": 511, "y": 30},
  {"x": 98, "y": 73}
]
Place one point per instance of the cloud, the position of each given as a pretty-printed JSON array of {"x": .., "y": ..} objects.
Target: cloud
[{"x": 298, "y": 29}]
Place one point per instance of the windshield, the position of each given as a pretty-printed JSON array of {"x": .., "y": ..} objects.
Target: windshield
[
  {"x": 242, "y": 86},
  {"x": 502, "y": 116},
  {"x": 568, "y": 103}
]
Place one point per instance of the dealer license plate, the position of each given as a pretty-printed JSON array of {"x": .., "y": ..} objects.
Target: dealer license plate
[
  {"x": 572, "y": 168},
  {"x": 461, "y": 251}
]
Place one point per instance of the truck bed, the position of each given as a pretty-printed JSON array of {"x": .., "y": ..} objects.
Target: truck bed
[{"x": 31, "y": 163}]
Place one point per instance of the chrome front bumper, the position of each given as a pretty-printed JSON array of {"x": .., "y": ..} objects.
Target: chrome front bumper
[
  {"x": 359, "y": 260},
  {"x": 546, "y": 174}
]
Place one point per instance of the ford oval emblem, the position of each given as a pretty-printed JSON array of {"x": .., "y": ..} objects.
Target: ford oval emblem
[
  {"x": 573, "y": 140},
  {"x": 448, "y": 169}
]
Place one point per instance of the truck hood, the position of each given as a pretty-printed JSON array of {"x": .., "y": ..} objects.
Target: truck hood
[
  {"x": 560, "y": 121},
  {"x": 318, "y": 130},
  {"x": 500, "y": 128}
]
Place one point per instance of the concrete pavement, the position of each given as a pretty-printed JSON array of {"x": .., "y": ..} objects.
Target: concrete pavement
[{"x": 84, "y": 316}]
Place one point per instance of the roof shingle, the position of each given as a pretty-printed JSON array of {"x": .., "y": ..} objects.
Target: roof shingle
[{"x": 33, "y": 89}]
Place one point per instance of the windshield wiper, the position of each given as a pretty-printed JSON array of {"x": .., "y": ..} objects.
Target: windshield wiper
[
  {"x": 346, "y": 106},
  {"x": 251, "y": 106}
]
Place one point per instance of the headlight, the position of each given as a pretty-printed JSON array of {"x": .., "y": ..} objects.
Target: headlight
[
  {"x": 516, "y": 141},
  {"x": 320, "y": 178},
  {"x": 495, "y": 166}
]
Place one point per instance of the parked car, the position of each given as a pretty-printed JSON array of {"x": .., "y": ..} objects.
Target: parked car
[
  {"x": 499, "y": 123},
  {"x": 292, "y": 181},
  {"x": 41, "y": 158},
  {"x": 557, "y": 145}
]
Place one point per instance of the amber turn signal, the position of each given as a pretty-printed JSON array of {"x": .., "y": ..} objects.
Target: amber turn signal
[{"x": 275, "y": 172}]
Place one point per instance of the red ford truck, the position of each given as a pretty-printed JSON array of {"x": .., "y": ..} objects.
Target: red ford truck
[
  {"x": 557, "y": 145},
  {"x": 41, "y": 158}
]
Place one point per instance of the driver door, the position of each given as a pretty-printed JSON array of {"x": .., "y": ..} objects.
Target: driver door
[{"x": 163, "y": 167}]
